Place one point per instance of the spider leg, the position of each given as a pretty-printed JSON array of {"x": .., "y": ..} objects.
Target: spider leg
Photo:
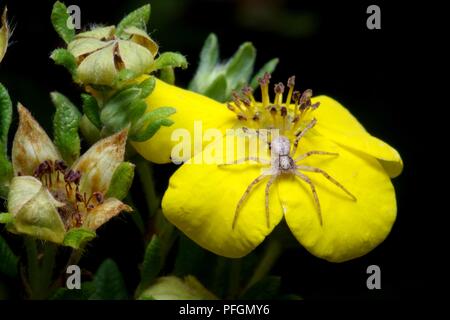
[
  {"x": 256, "y": 159},
  {"x": 269, "y": 184},
  {"x": 244, "y": 196},
  {"x": 326, "y": 175},
  {"x": 301, "y": 133},
  {"x": 310, "y": 153},
  {"x": 314, "y": 192}
]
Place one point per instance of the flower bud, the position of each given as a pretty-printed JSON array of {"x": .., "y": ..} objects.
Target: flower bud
[{"x": 101, "y": 54}]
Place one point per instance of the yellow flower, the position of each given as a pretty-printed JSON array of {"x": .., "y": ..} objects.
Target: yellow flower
[
  {"x": 213, "y": 204},
  {"x": 47, "y": 198}
]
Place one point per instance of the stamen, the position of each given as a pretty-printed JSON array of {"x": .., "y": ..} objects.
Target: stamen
[
  {"x": 248, "y": 92},
  {"x": 290, "y": 84},
  {"x": 264, "y": 84},
  {"x": 279, "y": 90}
]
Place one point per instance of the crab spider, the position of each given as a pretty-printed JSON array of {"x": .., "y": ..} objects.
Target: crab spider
[{"x": 283, "y": 163}]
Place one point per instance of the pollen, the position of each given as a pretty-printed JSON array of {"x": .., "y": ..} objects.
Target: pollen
[{"x": 286, "y": 110}]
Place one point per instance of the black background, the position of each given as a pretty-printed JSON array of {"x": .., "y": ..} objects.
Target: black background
[{"x": 374, "y": 73}]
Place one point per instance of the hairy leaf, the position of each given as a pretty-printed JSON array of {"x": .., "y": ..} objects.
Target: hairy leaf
[
  {"x": 91, "y": 110},
  {"x": 78, "y": 237},
  {"x": 109, "y": 283},
  {"x": 59, "y": 18},
  {"x": 64, "y": 58},
  {"x": 121, "y": 181},
  {"x": 65, "y": 127},
  {"x": 138, "y": 18}
]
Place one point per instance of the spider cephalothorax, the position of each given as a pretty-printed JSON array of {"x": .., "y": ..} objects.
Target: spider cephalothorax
[{"x": 287, "y": 118}]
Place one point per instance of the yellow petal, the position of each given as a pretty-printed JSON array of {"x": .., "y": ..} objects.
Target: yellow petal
[
  {"x": 31, "y": 145},
  {"x": 336, "y": 123},
  {"x": 104, "y": 212},
  {"x": 350, "y": 228},
  {"x": 190, "y": 107},
  {"x": 98, "y": 164},
  {"x": 201, "y": 201},
  {"x": 34, "y": 209}
]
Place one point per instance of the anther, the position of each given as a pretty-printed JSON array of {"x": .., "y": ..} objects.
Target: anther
[
  {"x": 279, "y": 88},
  {"x": 99, "y": 197},
  {"x": 230, "y": 107},
  {"x": 307, "y": 94},
  {"x": 60, "y": 165},
  {"x": 241, "y": 117},
  {"x": 291, "y": 82},
  {"x": 296, "y": 97},
  {"x": 72, "y": 176},
  {"x": 79, "y": 197},
  {"x": 283, "y": 111},
  {"x": 248, "y": 91},
  {"x": 315, "y": 106},
  {"x": 273, "y": 109},
  {"x": 236, "y": 99},
  {"x": 265, "y": 79},
  {"x": 246, "y": 102}
]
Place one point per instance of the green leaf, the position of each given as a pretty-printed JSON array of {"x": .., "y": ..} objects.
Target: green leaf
[
  {"x": 154, "y": 120},
  {"x": 152, "y": 262},
  {"x": 265, "y": 289},
  {"x": 8, "y": 260},
  {"x": 91, "y": 110},
  {"x": 240, "y": 67},
  {"x": 65, "y": 127},
  {"x": 121, "y": 181},
  {"x": 115, "y": 113},
  {"x": 170, "y": 59},
  {"x": 87, "y": 290},
  {"x": 269, "y": 67},
  {"x": 6, "y": 218},
  {"x": 209, "y": 57},
  {"x": 6, "y": 171},
  {"x": 217, "y": 90},
  {"x": 147, "y": 86},
  {"x": 59, "y": 19},
  {"x": 125, "y": 75},
  {"x": 63, "y": 57},
  {"x": 5, "y": 119},
  {"x": 76, "y": 238},
  {"x": 138, "y": 18},
  {"x": 109, "y": 283}
]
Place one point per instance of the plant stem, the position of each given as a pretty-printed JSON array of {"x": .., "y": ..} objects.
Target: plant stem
[
  {"x": 235, "y": 278},
  {"x": 271, "y": 254},
  {"x": 145, "y": 171},
  {"x": 40, "y": 268}
]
